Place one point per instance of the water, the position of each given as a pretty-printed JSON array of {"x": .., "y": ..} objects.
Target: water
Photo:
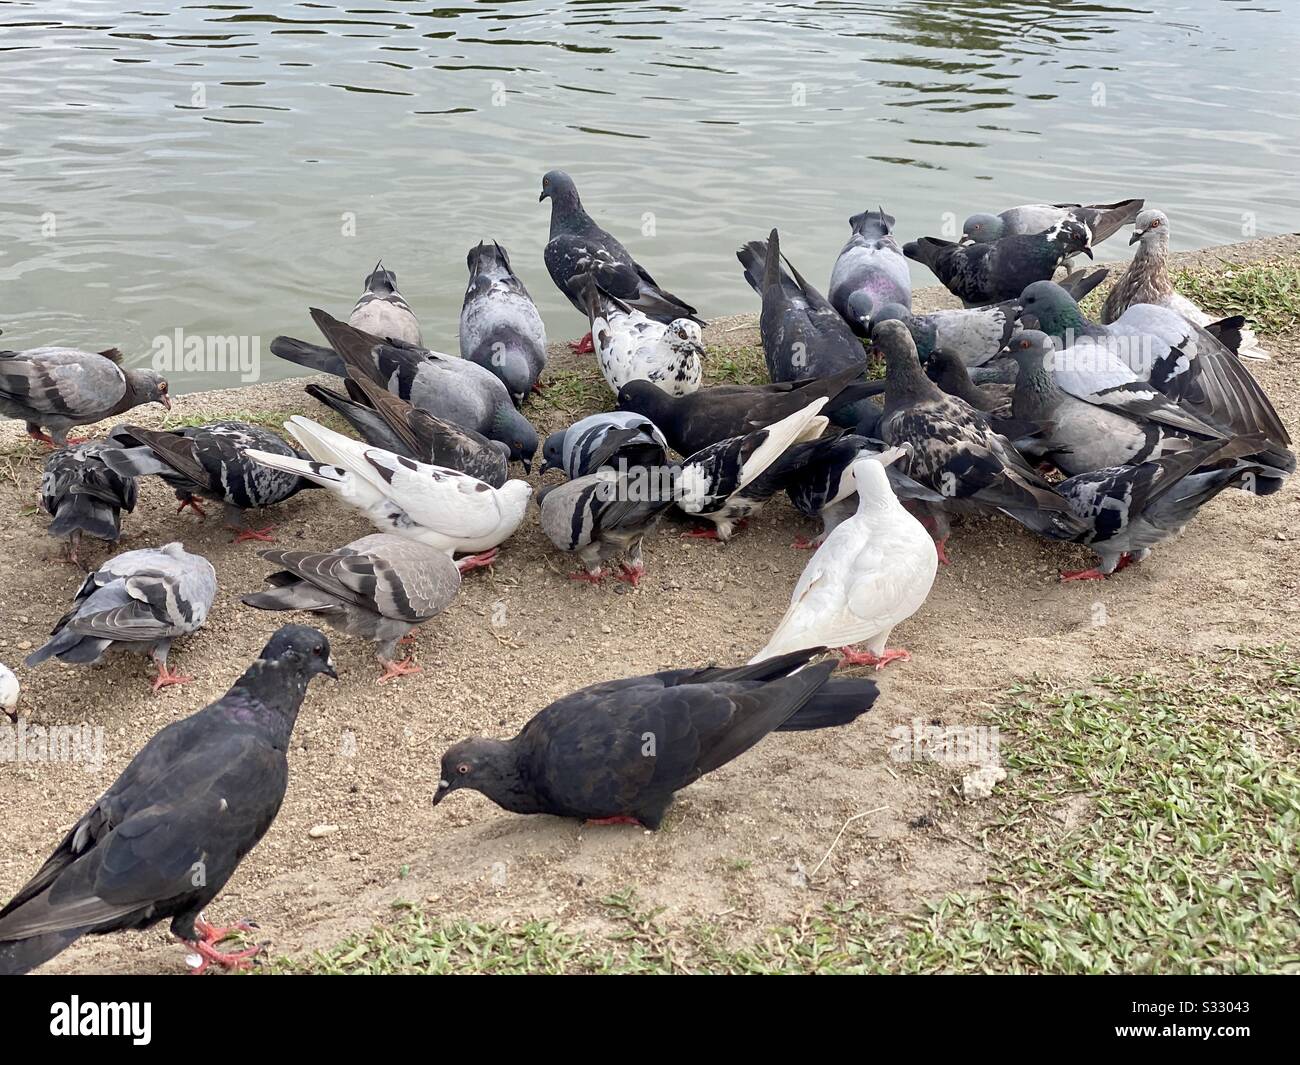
[{"x": 197, "y": 168}]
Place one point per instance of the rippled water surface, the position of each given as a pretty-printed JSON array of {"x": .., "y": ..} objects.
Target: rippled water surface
[{"x": 218, "y": 167}]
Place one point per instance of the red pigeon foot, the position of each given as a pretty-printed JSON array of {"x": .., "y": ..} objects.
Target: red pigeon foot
[
  {"x": 244, "y": 535},
  {"x": 482, "y": 561},
  {"x": 166, "y": 678},
  {"x": 631, "y": 574},
  {"x": 398, "y": 669},
  {"x": 194, "y": 505},
  {"x": 802, "y": 543},
  {"x": 595, "y": 577},
  {"x": 621, "y": 819},
  {"x": 583, "y": 346},
  {"x": 708, "y": 533},
  {"x": 208, "y": 953},
  {"x": 850, "y": 657},
  {"x": 939, "y": 549}
]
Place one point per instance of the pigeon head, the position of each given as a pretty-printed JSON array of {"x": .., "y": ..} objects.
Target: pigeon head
[
  {"x": 873, "y": 224},
  {"x": 380, "y": 281},
  {"x": 483, "y": 765},
  {"x": 685, "y": 336},
  {"x": 871, "y": 481},
  {"x": 8, "y": 692},
  {"x": 303, "y": 646},
  {"x": 1150, "y": 227},
  {"x": 559, "y": 188},
  {"x": 646, "y": 398},
  {"x": 553, "y": 453},
  {"x": 145, "y": 386},
  {"x": 1045, "y": 305},
  {"x": 982, "y": 229},
  {"x": 860, "y": 308},
  {"x": 886, "y": 312},
  {"x": 1070, "y": 237},
  {"x": 892, "y": 341},
  {"x": 517, "y": 433},
  {"x": 1031, "y": 349}
]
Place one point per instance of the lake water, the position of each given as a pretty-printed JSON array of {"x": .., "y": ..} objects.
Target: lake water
[{"x": 219, "y": 167}]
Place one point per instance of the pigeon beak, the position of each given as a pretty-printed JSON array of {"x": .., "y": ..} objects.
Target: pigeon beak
[
  {"x": 329, "y": 670},
  {"x": 965, "y": 240},
  {"x": 1087, "y": 251},
  {"x": 165, "y": 401},
  {"x": 1138, "y": 234},
  {"x": 542, "y": 196},
  {"x": 527, "y": 464},
  {"x": 444, "y": 789}
]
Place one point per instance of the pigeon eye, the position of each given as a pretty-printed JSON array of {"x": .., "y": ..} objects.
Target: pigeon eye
[
  {"x": 318, "y": 650},
  {"x": 463, "y": 768}
]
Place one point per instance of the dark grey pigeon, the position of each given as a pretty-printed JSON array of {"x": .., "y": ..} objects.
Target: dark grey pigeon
[
  {"x": 711, "y": 415},
  {"x": 137, "y": 601},
  {"x": 825, "y": 487},
  {"x": 500, "y": 327},
  {"x": 978, "y": 274},
  {"x": 949, "y": 372},
  {"x": 803, "y": 335},
  {"x": 1128, "y": 510},
  {"x": 169, "y": 832},
  {"x": 57, "y": 388},
  {"x": 453, "y": 389},
  {"x": 605, "y": 441},
  {"x": 209, "y": 462},
  {"x": 385, "y": 420},
  {"x": 954, "y": 452},
  {"x": 84, "y": 496},
  {"x": 617, "y": 752},
  {"x": 379, "y": 587},
  {"x": 383, "y": 311},
  {"x": 578, "y": 246},
  {"x": 606, "y": 514},
  {"x": 870, "y": 272},
  {"x": 1103, "y": 220}
]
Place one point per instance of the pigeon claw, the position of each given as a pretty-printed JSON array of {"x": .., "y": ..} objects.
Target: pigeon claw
[
  {"x": 482, "y": 561},
  {"x": 709, "y": 532},
  {"x": 41, "y": 437},
  {"x": 394, "y": 669},
  {"x": 166, "y": 678},
  {"x": 583, "y": 346},
  {"x": 850, "y": 657},
  {"x": 802, "y": 543},
  {"x": 594, "y": 577},
  {"x": 619, "y": 819},
  {"x": 939, "y": 546},
  {"x": 631, "y": 574},
  {"x": 242, "y": 536},
  {"x": 194, "y": 505},
  {"x": 1093, "y": 574}
]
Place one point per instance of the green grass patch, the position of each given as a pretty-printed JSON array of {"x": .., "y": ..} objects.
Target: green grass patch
[
  {"x": 1150, "y": 824},
  {"x": 1268, "y": 293}
]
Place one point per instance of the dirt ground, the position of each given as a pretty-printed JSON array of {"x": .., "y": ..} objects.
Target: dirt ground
[{"x": 740, "y": 848}]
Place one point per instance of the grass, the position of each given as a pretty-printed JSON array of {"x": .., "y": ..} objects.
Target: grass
[
  {"x": 1181, "y": 856},
  {"x": 1267, "y": 292}
]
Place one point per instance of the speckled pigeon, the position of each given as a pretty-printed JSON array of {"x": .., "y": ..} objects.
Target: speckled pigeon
[{"x": 85, "y": 496}]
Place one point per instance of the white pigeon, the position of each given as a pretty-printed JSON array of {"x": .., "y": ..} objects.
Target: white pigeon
[
  {"x": 433, "y": 505},
  {"x": 872, "y": 572},
  {"x": 630, "y": 346},
  {"x": 8, "y": 692}
]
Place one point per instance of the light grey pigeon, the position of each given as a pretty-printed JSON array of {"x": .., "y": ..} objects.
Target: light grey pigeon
[
  {"x": 629, "y": 346},
  {"x": 500, "y": 327},
  {"x": 578, "y": 246},
  {"x": 606, "y": 514},
  {"x": 447, "y": 387},
  {"x": 954, "y": 451},
  {"x": 139, "y": 601},
  {"x": 979, "y": 274},
  {"x": 383, "y": 311},
  {"x": 1103, "y": 220},
  {"x": 210, "y": 462},
  {"x": 389, "y": 422},
  {"x": 443, "y": 508},
  {"x": 379, "y": 587},
  {"x": 870, "y": 574},
  {"x": 57, "y": 388},
  {"x": 870, "y": 271},
  {"x": 9, "y": 692},
  {"x": 1147, "y": 281},
  {"x": 605, "y": 440},
  {"x": 84, "y": 496}
]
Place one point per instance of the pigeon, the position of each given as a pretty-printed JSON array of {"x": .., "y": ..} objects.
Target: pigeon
[
  {"x": 500, "y": 327},
  {"x": 1127, "y": 425},
  {"x": 453, "y": 389},
  {"x": 872, "y": 572},
  {"x": 954, "y": 451},
  {"x": 630, "y": 346},
  {"x": 383, "y": 311},
  {"x": 605, "y": 514},
  {"x": 578, "y": 246},
  {"x": 691, "y": 423},
  {"x": 1156, "y": 356},
  {"x": 949, "y": 372},
  {"x": 9, "y": 692},
  {"x": 602, "y": 441},
  {"x": 379, "y": 587},
  {"x": 433, "y": 505},
  {"x": 1103, "y": 220},
  {"x": 729, "y": 481},
  {"x": 209, "y": 462},
  {"x": 138, "y": 601},
  {"x": 803, "y": 335},
  {"x": 1147, "y": 281},
  {"x": 84, "y": 496},
  {"x": 57, "y": 388},
  {"x": 870, "y": 272},
  {"x": 1129, "y": 509},
  {"x": 167, "y": 834},
  {"x": 387, "y": 421},
  {"x": 617, "y": 752},
  {"x": 979, "y": 274}
]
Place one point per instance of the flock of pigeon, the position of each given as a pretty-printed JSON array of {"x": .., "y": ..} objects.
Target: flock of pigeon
[{"x": 1109, "y": 433}]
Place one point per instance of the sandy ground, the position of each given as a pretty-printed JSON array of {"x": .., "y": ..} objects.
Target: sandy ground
[{"x": 740, "y": 848}]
